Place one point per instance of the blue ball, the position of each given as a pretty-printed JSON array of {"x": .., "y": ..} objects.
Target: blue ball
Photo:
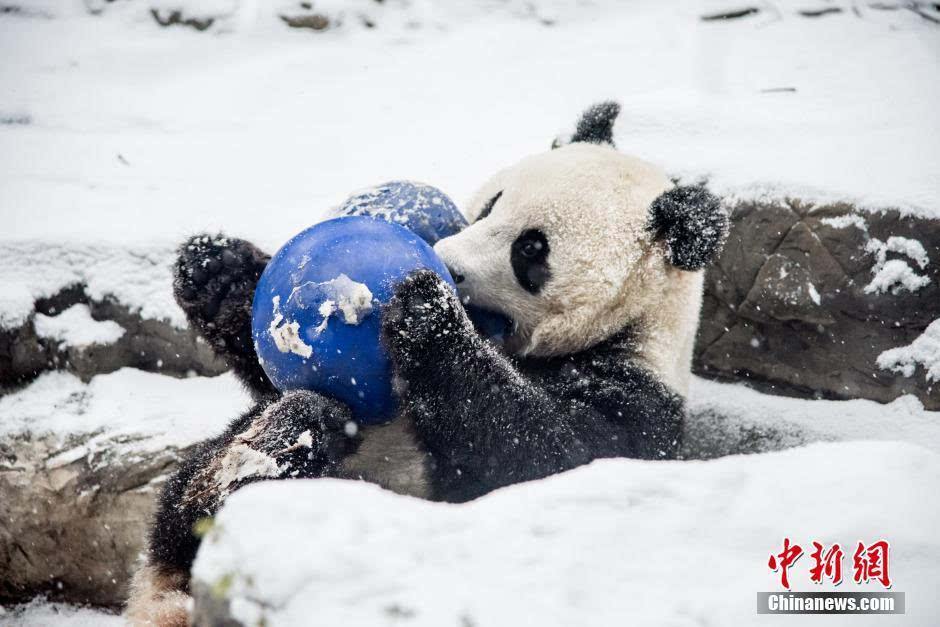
[
  {"x": 428, "y": 212},
  {"x": 424, "y": 209},
  {"x": 317, "y": 310}
]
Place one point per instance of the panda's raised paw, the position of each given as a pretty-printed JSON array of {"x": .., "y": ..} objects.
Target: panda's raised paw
[
  {"x": 214, "y": 283},
  {"x": 424, "y": 313}
]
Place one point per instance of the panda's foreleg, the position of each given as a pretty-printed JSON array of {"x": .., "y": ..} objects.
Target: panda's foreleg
[
  {"x": 481, "y": 419},
  {"x": 301, "y": 435},
  {"x": 214, "y": 283}
]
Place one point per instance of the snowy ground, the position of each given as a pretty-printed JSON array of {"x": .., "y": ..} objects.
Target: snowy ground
[
  {"x": 149, "y": 133},
  {"x": 674, "y": 543},
  {"x": 118, "y": 138},
  {"x": 38, "y": 613},
  {"x": 651, "y": 529}
]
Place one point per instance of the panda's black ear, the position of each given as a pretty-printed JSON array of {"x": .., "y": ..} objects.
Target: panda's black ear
[
  {"x": 692, "y": 222},
  {"x": 596, "y": 125}
]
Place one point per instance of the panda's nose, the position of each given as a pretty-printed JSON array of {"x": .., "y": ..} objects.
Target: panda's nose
[{"x": 458, "y": 278}]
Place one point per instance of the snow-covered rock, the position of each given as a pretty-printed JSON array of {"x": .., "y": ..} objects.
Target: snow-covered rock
[
  {"x": 663, "y": 543},
  {"x": 824, "y": 301},
  {"x": 91, "y": 310},
  {"x": 80, "y": 466},
  {"x": 729, "y": 419}
]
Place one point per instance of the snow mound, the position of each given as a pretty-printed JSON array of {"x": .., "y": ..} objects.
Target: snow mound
[
  {"x": 128, "y": 410},
  {"x": 665, "y": 543}
]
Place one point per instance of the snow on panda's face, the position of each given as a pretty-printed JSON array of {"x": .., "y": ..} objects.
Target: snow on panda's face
[{"x": 560, "y": 244}]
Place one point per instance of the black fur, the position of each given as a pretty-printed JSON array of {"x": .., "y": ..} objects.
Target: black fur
[
  {"x": 489, "y": 420},
  {"x": 214, "y": 283},
  {"x": 190, "y": 494},
  {"x": 529, "y": 259},
  {"x": 693, "y": 224},
  {"x": 486, "y": 420},
  {"x": 596, "y": 125},
  {"x": 488, "y": 207}
]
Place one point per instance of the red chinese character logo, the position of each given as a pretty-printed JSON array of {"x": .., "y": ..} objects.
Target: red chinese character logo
[
  {"x": 871, "y": 562},
  {"x": 786, "y": 558},
  {"x": 828, "y": 564}
]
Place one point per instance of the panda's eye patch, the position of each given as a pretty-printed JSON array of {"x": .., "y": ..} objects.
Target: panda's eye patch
[
  {"x": 529, "y": 259},
  {"x": 488, "y": 207}
]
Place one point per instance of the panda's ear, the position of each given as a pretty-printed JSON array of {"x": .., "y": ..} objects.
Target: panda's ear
[
  {"x": 692, "y": 222},
  {"x": 596, "y": 125}
]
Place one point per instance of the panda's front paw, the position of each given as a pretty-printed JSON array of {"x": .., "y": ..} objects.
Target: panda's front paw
[
  {"x": 423, "y": 318},
  {"x": 214, "y": 284}
]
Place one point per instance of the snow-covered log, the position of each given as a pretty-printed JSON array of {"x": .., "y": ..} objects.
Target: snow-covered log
[{"x": 80, "y": 467}]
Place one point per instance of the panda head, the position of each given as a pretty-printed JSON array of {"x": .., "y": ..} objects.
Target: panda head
[{"x": 575, "y": 244}]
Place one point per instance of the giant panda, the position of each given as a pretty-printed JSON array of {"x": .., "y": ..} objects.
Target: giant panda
[{"x": 594, "y": 255}]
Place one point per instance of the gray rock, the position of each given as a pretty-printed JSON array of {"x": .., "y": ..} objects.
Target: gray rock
[
  {"x": 786, "y": 306},
  {"x": 72, "y": 527}
]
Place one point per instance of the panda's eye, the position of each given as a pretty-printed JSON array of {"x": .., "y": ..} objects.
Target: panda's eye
[
  {"x": 531, "y": 249},
  {"x": 488, "y": 207},
  {"x": 529, "y": 259}
]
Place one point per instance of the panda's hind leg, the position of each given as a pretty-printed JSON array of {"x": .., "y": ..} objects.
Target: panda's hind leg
[
  {"x": 214, "y": 283},
  {"x": 158, "y": 598}
]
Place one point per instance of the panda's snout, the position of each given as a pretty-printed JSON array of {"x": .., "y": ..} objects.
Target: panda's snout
[{"x": 444, "y": 250}]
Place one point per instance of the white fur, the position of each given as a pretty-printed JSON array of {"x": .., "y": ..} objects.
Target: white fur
[
  {"x": 391, "y": 456},
  {"x": 607, "y": 272}
]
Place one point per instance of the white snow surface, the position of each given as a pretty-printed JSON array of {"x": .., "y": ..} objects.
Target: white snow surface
[
  {"x": 129, "y": 408},
  {"x": 124, "y": 131},
  {"x": 76, "y": 327},
  {"x": 659, "y": 543},
  {"x": 39, "y": 613}
]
